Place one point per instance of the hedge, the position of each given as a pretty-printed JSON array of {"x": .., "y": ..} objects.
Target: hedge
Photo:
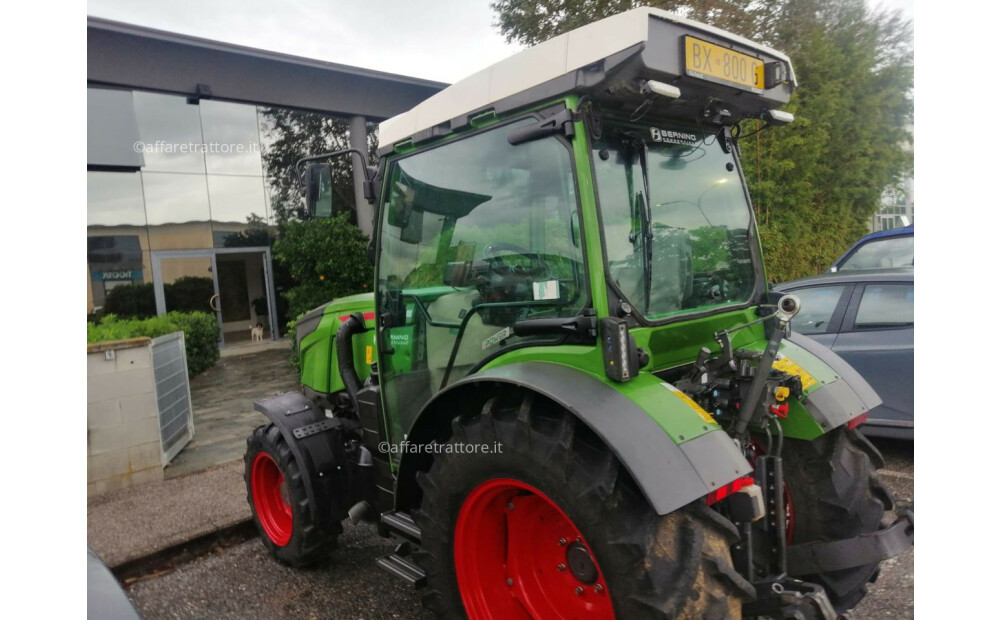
[{"x": 201, "y": 334}]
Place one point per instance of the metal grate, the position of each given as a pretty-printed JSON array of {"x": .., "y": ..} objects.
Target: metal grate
[{"x": 173, "y": 394}]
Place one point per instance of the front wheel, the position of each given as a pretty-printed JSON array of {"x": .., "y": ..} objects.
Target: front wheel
[
  {"x": 553, "y": 527},
  {"x": 277, "y": 496}
]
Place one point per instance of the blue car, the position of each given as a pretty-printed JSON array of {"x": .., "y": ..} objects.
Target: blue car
[
  {"x": 885, "y": 249},
  {"x": 866, "y": 317}
]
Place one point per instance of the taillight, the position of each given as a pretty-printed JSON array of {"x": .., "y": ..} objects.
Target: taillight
[
  {"x": 728, "y": 489},
  {"x": 858, "y": 421}
]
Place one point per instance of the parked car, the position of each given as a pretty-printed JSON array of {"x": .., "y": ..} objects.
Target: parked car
[
  {"x": 866, "y": 317},
  {"x": 105, "y": 598},
  {"x": 885, "y": 249}
]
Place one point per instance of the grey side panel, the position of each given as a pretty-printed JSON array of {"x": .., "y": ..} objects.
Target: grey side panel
[
  {"x": 842, "y": 368},
  {"x": 834, "y": 404},
  {"x": 715, "y": 457},
  {"x": 669, "y": 475}
]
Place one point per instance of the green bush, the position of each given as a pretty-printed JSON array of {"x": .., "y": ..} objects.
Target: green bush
[
  {"x": 189, "y": 294},
  {"x": 201, "y": 334},
  {"x": 294, "y": 360},
  {"x": 327, "y": 258},
  {"x": 131, "y": 300}
]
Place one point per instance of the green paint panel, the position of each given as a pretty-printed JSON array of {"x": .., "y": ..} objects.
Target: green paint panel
[
  {"x": 677, "y": 418},
  {"x": 318, "y": 351},
  {"x": 679, "y": 343}
]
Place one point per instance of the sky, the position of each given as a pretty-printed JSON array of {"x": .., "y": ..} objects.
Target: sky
[{"x": 441, "y": 40}]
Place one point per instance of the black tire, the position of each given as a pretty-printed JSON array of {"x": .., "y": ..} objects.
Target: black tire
[
  {"x": 836, "y": 494},
  {"x": 308, "y": 542},
  {"x": 674, "y": 566}
]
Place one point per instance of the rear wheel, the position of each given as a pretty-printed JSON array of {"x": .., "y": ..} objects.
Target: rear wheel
[
  {"x": 278, "y": 500},
  {"x": 553, "y": 527},
  {"x": 835, "y": 493}
]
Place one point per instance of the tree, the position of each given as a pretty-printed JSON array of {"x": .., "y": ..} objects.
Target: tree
[
  {"x": 816, "y": 182},
  {"x": 326, "y": 258},
  {"x": 290, "y": 135},
  {"x": 256, "y": 234}
]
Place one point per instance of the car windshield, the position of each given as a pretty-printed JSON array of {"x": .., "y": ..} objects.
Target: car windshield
[
  {"x": 882, "y": 253},
  {"x": 676, "y": 219}
]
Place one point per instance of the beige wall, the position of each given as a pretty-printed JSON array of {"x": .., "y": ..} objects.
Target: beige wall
[{"x": 123, "y": 434}]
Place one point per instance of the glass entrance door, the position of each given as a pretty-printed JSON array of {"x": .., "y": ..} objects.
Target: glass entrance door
[{"x": 234, "y": 284}]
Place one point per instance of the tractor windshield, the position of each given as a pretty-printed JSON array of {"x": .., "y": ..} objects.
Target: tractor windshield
[{"x": 676, "y": 219}]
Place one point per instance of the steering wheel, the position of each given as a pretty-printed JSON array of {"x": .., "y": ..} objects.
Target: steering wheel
[{"x": 539, "y": 267}]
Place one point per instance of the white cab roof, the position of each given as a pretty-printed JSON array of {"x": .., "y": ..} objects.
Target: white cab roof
[{"x": 541, "y": 63}]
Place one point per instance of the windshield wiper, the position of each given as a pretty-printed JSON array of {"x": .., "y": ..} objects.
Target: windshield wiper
[{"x": 641, "y": 204}]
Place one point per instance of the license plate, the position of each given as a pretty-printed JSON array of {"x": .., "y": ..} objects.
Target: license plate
[{"x": 721, "y": 65}]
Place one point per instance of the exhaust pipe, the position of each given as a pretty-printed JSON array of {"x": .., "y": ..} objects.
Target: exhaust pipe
[{"x": 355, "y": 324}]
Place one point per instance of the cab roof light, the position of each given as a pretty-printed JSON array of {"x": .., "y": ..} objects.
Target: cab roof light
[
  {"x": 778, "y": 118},
  {"x": 659, "y": 88}
]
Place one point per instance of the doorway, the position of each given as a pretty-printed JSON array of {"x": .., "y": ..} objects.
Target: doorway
[{"x": 234, "y": 284}]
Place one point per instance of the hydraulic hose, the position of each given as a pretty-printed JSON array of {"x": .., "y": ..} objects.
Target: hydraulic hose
[{"x": 355, "y": 324}]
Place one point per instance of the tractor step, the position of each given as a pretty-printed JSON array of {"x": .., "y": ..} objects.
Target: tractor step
[
  {"x": 399, "y": 524},
  {"x": 403, "y": 568}
]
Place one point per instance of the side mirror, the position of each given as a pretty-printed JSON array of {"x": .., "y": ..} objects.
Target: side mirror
[{"x": 319, "y": 190}]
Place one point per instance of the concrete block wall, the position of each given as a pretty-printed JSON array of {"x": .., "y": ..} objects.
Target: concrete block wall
[{"x": 123, "y": 433}]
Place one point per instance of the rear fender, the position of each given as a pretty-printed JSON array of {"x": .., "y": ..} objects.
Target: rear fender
[
  {"x": 833, "y": 392},
  {"x": 670, "y": 475}
]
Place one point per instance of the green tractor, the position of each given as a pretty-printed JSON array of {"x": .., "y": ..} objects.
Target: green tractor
[{"x": 571, "y": 394}]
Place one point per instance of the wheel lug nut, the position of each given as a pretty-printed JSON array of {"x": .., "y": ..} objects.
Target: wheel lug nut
[
  {"x": 561, "y": 567},
  {"x": 579, "y": 590},
  {"x": 562, "y": 542},
  {"x": 510, "y": 582},
  {"x": 598, "y": 589}
]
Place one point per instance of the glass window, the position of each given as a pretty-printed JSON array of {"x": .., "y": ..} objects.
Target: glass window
[
  {"x": 885, "y": 306},
  {"x": 177, "y": 210},
  {"x": 882, "y": 253},
  {"x": 287, "y": 135},
  {"x": 818, "y": 306},
  {"x": 233, "y": 199},
  {"x": 232, "y": 141},
  {"x": 676, "y": 219},
  {"x": 115, "y": 199},
  {"x": 111, "y": 129},
  {"x": 170, "y": 130}
]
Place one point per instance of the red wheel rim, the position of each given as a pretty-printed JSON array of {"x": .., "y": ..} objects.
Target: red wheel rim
[
  {"x": 270, "y": 501},
  {"x": 517, "y": 555}
]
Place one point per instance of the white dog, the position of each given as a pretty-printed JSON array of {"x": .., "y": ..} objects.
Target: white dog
[{"x": 257, "y": 333}]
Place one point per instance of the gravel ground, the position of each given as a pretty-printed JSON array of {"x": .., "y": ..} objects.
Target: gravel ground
[{"x": 244, "y": 582}]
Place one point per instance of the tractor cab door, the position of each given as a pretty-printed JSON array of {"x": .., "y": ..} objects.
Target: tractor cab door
[{"x": 475, "y": 235}]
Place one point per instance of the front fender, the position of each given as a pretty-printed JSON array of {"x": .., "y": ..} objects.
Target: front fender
[
  {"x": 669, "y": 474},
  {"x": 316, "y": 444}
]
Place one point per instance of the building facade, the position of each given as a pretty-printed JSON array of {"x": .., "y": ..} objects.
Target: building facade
[{"x": 190, "y": 158}]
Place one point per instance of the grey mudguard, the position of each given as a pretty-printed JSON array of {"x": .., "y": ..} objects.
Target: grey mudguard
[
  {"x": 316, "y": 453},
  {"x": 669, "y": 475},
  {"x": 844, "y": 399}
]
